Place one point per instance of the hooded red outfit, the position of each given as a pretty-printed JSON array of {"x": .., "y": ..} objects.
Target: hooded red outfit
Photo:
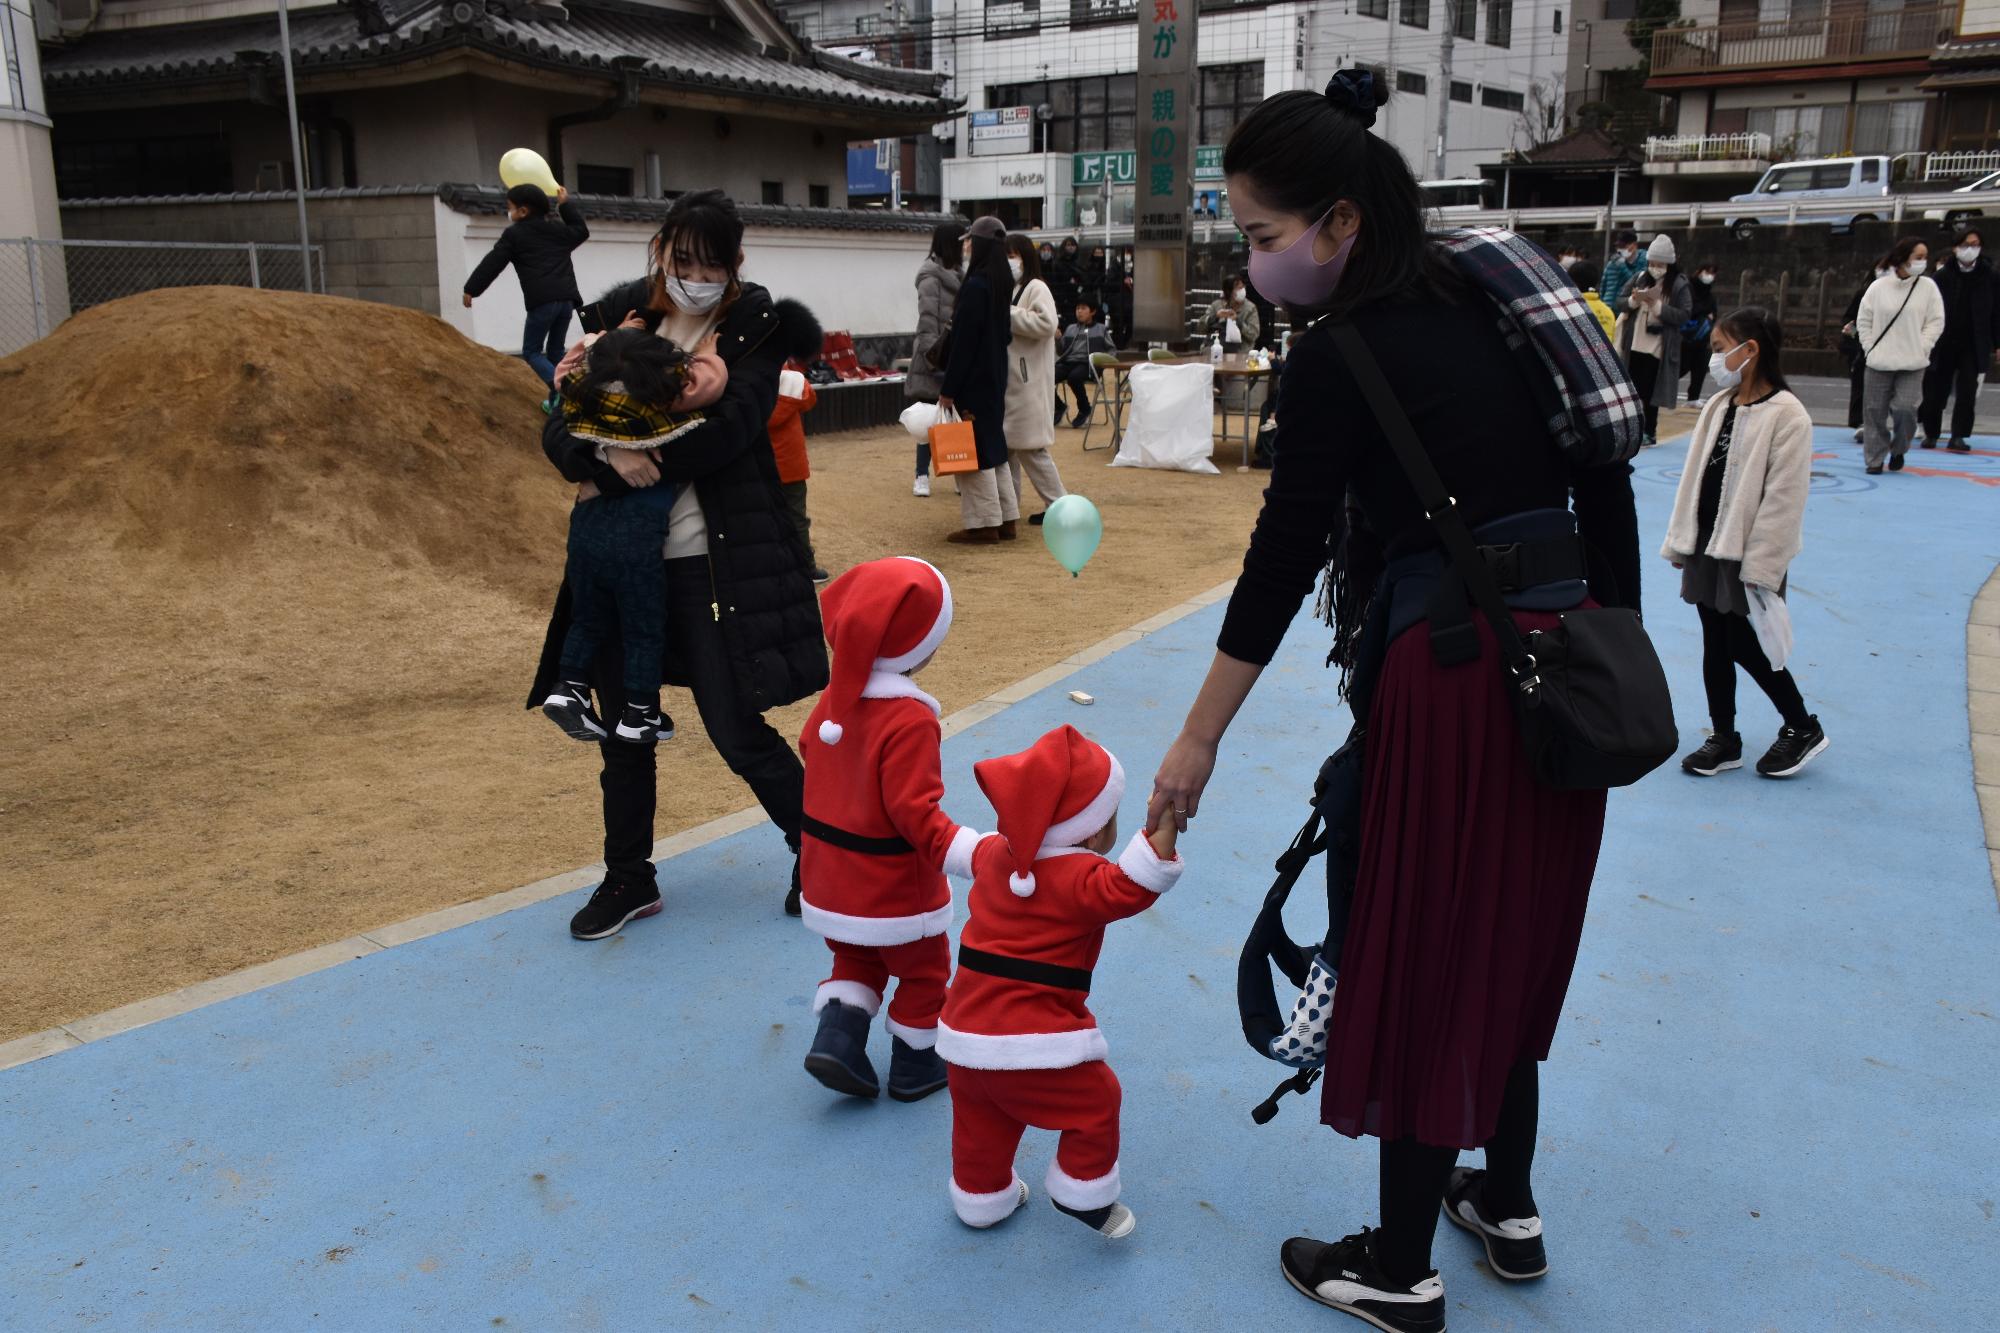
[
  {"x": 877, "y": 845},
  {"x": 1022, "y": 1044}
]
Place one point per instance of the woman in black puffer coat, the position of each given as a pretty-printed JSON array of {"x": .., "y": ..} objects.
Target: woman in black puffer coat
[
  {"x": 743, "y": 627},
  {"x": 975, "y": 385}
]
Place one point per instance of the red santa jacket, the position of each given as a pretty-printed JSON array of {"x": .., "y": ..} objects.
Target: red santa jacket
[
  {"x": 1038, "y": 1018},
  {"x": 877, "y": 843}
]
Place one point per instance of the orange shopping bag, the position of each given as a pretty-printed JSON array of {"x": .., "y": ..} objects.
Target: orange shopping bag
[{"x": 954, "y": 452}]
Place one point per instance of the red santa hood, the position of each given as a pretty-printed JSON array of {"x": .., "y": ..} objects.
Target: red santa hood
[
  {"x": 1056, "y": 793},
  {"x": 888, "y": 616}
]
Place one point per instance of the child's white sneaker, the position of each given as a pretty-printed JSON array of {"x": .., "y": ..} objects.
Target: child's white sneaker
[
  {"x": 922, "y": 488},
  {"x": 1114, "y": 1221}
]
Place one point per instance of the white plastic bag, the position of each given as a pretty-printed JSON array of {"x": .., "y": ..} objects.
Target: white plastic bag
[
  {"x": 1772, "y": 620},
  {"x": 918, "y": 418},
  {"x": 1172, "y": 424}
]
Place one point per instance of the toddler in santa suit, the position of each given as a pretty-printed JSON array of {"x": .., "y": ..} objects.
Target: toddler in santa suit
[
  {"x": 1022, "y": 1046},
  {"x": 877, "y": 844}
]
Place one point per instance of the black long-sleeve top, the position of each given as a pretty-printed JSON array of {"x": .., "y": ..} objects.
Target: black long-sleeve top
[{"x": 1465, "y": 395}]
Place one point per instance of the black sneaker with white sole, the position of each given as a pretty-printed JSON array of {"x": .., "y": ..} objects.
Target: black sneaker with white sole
[
  {"x": 644, "y": 724},
  {"x": 1718, "y": 754},
  {"x": 1344, "y": 1275},
  {"x": 1513, "y": 1244},
  {"x": 611, "y": 907},
  {"x": 1793, "y": 750},
  {"x": 568, "y": 706}
]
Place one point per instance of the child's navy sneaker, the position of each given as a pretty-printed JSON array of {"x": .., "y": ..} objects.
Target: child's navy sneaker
[
  {"x": 914, "y": 1074},
  {"x": 1114, "y": 1221},
  {"x": 839, "y": 1055},
  {"x": 568, "y": 706}
]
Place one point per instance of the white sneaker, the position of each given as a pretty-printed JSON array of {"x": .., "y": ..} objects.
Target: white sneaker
[{"x": 922, "y": 488}]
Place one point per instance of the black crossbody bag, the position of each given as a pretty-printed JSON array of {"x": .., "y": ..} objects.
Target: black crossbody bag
[{"x": 1590, "y": 696}]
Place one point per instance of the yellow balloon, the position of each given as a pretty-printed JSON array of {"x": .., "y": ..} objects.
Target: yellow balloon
[{"x": 525, "y": 166}]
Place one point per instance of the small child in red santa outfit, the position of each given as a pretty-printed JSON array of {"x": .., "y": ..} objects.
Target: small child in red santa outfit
[
  {"x": 1022, "y": 1046},
  {"x": 877, "y": 843}
]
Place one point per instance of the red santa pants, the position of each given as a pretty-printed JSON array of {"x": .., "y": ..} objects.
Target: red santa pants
[
  {"x": 991, "y": 1107},
  {"x": 861, "y": 975}
]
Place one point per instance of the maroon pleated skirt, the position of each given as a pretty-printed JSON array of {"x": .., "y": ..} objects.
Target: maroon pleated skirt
[{"x": 1467, "y": 911}]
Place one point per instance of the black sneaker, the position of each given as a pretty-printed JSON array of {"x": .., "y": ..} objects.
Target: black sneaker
[
  {"x": 1960, "y": 445},
  {"x": 1718, "y": 753},
  {"x": 1873, "y": 471},
  {"x": 568, "y": 706},
  {"x": 1345, "y": 1276},
  {"x": 1895, "y": 462},
  {"x": 645, "y": 724},
  {"x": 611, "y": 907},
  {"x": 1930, "y": 441},
  {"x": 1036, "y": 520},
  {"x": 1513, "y": 1244},
  {"x": 820, "y": 576},
  {"x": 1793, "y": 750}
]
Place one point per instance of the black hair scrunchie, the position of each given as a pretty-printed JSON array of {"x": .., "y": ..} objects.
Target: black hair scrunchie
[{"x": 1353, "y": 91}]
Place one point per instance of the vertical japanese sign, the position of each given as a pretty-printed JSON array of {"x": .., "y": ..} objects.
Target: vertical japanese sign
[{"x": 1168, "y": 122}]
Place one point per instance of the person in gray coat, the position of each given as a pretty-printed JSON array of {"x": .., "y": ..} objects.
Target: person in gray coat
[
  {"x": 1657, "y": 303},
  {"x": 937, "y": 295}
]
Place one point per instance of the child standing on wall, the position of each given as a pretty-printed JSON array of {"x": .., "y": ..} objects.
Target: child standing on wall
[{"x": 539, "y": 245}]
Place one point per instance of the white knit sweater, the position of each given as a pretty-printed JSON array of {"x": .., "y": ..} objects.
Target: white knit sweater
[
  {"x": 1762, "y": 518},
  {"x": 1900, "y": 342}
]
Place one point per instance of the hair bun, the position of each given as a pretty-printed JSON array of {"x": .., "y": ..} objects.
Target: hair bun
[{"x": 1353, "y": 92}]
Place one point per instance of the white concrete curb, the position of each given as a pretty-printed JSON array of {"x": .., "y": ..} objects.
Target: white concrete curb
[{"x": 68, "y": 1036}]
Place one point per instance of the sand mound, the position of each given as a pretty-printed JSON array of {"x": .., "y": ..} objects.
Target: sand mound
[{"x": 191, "y": 426}]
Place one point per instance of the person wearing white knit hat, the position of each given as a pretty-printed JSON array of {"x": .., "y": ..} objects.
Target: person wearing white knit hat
[{"x": 1658, "y": 303}]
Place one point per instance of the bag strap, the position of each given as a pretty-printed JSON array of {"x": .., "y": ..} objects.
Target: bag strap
[
  {"x": 1439, "y": 505},
  {"x": 1893, "y": 318}
]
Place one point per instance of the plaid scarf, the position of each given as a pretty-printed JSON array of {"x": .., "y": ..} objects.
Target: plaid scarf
[
  {"x": 1593, "y": 411},
  {"x": 619, "y": 421}
]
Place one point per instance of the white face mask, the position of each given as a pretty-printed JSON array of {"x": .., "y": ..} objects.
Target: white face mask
[
  {"x": 1967, "y": 254},
  {"x": 696, "y": 298},
  {"x": 1719, "y": 371},
  {"x": 1568, "y": 262},
  {"x": 1014, "y": 267},
  {"x": 1708, "y": 279},
  {"x": 1657, "y": 270},
  {"x": 1916, "y": 267}
]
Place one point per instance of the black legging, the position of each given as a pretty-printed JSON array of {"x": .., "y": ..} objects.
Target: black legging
[
  {"x": 1645, "y": 371},
  {"x": 1415, "y": 1176},
  {"x": 1727, "y": 642}
]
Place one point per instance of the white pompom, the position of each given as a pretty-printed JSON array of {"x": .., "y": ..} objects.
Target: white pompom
[
  {"x": 1022, "y": 885},
  {"x": 830, "y": 732}
]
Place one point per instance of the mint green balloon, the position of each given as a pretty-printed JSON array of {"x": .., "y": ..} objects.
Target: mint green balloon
[{"x": 1071, "y": 529}]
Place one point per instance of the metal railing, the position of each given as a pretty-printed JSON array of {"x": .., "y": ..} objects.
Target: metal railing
[
  {"x": 1961, "y": 165},
  {"x": 1846, "y": 36},
  {"x": 1709, "y": 147},
  {"x": 43, "y": 283}
]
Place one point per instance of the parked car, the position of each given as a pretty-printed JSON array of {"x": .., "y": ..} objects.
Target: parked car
[
  {"x": 1448, "y": 198},
  {"x": 1951, "y": 214},
  {"x": 1865, "y": 180}
]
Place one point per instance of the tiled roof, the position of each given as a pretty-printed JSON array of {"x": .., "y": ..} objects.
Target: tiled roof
[
  {"x": 1968, "y": 49},
  {"x": 1584, "y": 146},
  {"x": 481, "y": 200},
  {"x": 670, "y": 51}
]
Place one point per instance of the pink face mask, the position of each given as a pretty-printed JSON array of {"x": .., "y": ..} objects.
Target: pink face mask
[{"x": 1292, "y": 276}]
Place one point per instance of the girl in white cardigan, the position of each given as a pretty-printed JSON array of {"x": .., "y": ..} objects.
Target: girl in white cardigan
[
  {"x": 1739, "y": 519},
  {"x": 1900, "y": 320}
]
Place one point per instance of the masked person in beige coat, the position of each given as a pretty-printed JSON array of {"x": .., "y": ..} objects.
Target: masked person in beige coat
[{"x": 1031, "y": 377}]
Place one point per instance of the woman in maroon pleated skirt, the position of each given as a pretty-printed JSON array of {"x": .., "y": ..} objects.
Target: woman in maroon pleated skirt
[{"x": 1473, "y": 876}]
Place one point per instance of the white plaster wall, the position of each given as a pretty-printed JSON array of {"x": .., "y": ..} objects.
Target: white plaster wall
[
  {"x": 1979, "y": 17},
  {"x": 859, "y": 281}
]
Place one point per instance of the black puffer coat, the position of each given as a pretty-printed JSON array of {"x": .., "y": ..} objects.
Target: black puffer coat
[{"x": 763, "y": 591}]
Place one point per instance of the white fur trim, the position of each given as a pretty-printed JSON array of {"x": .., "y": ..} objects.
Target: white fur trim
[
  {"x": 877, "y": 930},
  {"x": 1070, "y": 1192},
  {"x": 958, "y": 856},
  {"x": 849, "y": 993},
  {"x": 1143, "y": 866},
  {"x": 1025, "y": 1050},
  {"x": 830, "y": 732},
  {"x": 918, "y": 1039},
  {"x": 891, "y": 685},
  {"x": 1086, "y": 823},
  {"x": 1023, "y": 886},
  {"x": 985, "y": 1210},
  {"x": 939, "y": 628}
]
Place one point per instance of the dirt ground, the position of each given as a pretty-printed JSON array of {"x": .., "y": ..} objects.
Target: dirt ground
[{"x": 272, "y": 606}]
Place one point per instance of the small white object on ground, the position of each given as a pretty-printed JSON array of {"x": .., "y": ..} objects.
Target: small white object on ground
[{"x": 1079, "y": 697}]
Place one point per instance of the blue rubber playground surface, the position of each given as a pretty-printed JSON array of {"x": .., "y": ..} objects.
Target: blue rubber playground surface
[{"x": 1771, "y": 1104}]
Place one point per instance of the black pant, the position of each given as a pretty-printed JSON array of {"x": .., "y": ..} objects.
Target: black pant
[
  {"x": 1645, "y": 371},
  {"x": 1857, "y": 380},
  {"x": 1727, "y": 642},
  {"x": 1695, "y": 357},
  {"x": 1415, "y": 1175},
  {"x": 1953, "y": 369},
  {"x": 751, "y": 747},
  {"x": 1077, "y": 378}
]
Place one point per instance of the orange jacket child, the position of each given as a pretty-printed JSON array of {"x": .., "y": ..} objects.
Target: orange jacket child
[
  {"x": 877, "y": 844},
  {"x": 1021, "y": 1043},
  {"x": 796, "y": 397}
]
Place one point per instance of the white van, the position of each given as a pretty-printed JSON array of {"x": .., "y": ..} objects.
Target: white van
[{"x": 1865, "y": 180}]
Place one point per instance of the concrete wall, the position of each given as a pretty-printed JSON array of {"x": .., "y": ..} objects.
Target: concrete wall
[{"x": 377, "y": 249}]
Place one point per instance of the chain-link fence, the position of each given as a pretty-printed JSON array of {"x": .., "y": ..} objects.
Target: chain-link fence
[{"x": 43, "y": 283}]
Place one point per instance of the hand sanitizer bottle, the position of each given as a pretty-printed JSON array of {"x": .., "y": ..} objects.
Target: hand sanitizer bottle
[{"x": 1215, "y": 349}]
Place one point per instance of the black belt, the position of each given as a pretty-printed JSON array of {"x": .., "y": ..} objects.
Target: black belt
[
  {"x": 1022, "y": 969},
  {"x": 853, "y": 842}
]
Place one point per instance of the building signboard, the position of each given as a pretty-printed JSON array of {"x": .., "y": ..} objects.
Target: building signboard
[
  {"x": 1167, "y": 124},
  {"x": 1007, "y": 129},
  {"x": 1123, "y": 168}
]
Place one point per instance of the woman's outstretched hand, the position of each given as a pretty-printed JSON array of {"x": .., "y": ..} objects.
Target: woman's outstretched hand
[{"x": 1177, "y": 787}]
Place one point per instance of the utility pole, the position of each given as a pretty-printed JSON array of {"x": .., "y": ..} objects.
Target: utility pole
[
  {"x": 298, "y": 158},
  {"x": 1444, "y": 74}
]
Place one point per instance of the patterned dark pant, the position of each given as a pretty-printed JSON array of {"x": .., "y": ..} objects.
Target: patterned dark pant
[{"x": 616, "y": 584}]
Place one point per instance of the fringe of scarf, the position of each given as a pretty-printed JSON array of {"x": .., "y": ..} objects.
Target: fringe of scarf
[{"x": 1355, "y": 562}]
